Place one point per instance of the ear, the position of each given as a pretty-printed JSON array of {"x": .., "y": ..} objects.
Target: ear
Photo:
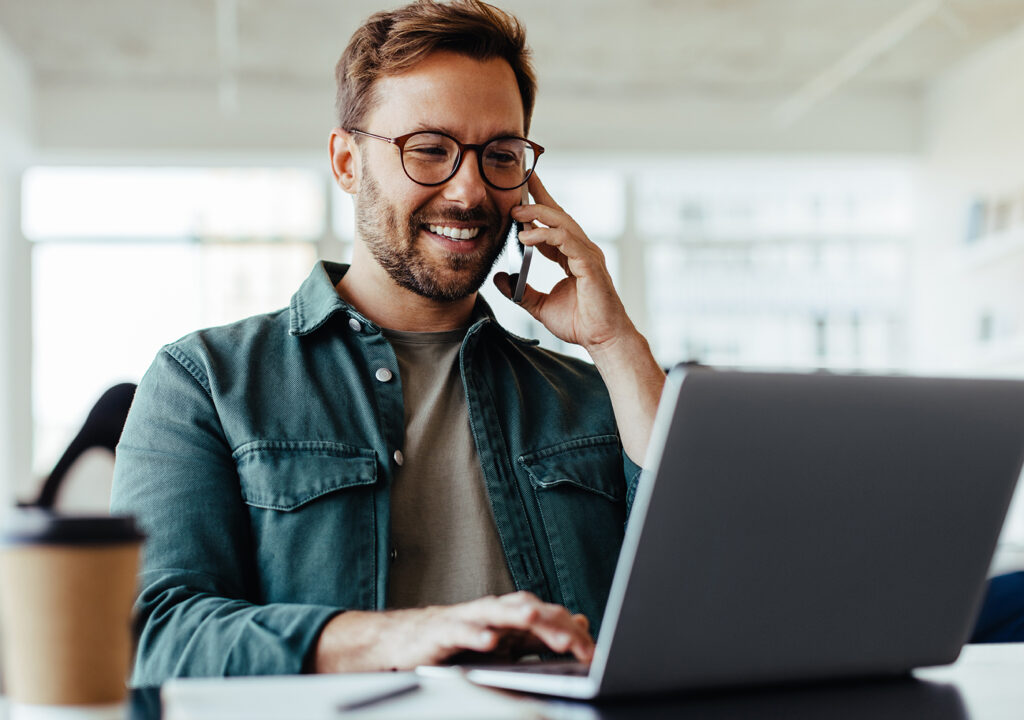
[{"x": 344, "y": 160}]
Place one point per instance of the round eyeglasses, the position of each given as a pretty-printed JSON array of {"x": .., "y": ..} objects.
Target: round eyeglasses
[{"x": 432, "y": 158}]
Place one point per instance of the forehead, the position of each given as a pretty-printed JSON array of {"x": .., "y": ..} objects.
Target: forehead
[{"x": 473, "y": 99}]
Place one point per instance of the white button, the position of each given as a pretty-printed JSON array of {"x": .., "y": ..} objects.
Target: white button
[
  {"x": 393, "y": 554},
  {"x": 355, "y": 324},
  {"x": 399, "y": 457},
  {"x": 383, "y": 374}
]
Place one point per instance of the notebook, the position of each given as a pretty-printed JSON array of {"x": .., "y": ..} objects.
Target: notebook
[{"x": 799, "y": 527}]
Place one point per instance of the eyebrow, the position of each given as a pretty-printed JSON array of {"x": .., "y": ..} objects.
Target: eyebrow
[{"x": 423, "y": 127}]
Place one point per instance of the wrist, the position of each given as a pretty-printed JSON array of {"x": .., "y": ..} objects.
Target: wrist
[
  {"x": 348, "y": 643},
  {"x": 619, "y": 349}
]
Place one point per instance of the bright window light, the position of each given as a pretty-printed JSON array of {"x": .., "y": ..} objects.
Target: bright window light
[
  {"x": 125, "y": 260},
  {"x": 230, "y": 203}
]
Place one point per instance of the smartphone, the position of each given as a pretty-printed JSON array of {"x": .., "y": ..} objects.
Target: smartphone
[{"x": 519, "y": 257}]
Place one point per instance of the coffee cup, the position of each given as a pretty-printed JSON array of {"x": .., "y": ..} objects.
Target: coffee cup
[{"x": 67, "y": 585}]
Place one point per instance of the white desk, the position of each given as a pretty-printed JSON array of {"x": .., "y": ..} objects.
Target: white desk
[{"x": 986, "y": 683}]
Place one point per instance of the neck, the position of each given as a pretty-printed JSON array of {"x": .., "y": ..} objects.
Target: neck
[{"x": 369, "y": 289}]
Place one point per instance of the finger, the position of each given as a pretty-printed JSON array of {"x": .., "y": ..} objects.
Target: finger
[
  {"x": 455, "y": 635},
  {"x": 515, "y": 610},
  {"x": 540, "y": 193},
  {"x": 552, "y": 216},
  {"x": 560, "y": 641},
  {"x": 531, "y": 300},
  {"x": 578, "y": 257},
  {"x": 566, "y": 632},
  {"x": 582, "y": 621},
  {"x": 548, "y": 216},
  {"x": 553, "y": 254},
  {"x": 522, "y": 611},
  {"x": 570, "y": 244},
  {"x": 552, "y": 624}
]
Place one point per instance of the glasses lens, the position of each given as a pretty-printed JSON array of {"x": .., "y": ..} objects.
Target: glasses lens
[
  {"x": 429, "y": 157},
  {"x": 508, "y": 162}
]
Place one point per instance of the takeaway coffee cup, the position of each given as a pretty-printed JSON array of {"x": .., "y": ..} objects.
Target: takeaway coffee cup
[{"x": 67, "y": 585}]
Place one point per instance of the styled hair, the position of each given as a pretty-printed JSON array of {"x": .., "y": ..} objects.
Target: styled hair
[{"x": 391, "y": 42}]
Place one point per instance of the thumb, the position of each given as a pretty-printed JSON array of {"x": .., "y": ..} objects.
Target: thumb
[
  {"x": 532, "y": 299},
  {"x": 503, "y": 282}
]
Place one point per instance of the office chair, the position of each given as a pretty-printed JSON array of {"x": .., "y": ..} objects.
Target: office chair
[{"x": 102, "y": 429}]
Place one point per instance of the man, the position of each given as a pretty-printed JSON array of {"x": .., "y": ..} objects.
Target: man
[{"x": 380, "y": 476}]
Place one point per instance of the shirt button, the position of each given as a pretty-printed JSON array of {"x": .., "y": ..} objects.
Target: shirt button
[
  {"x": 399, "y": 457},
  {"x": 383, "y": 374},
  {"x": 355, "y": 324},
  {"x": 393, "y": 554}
]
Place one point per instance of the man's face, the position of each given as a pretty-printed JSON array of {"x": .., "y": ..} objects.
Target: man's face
[{"x": 406, "y": 226}]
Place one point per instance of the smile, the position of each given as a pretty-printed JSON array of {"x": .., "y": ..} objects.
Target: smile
[{"x": 455, "y": 234}]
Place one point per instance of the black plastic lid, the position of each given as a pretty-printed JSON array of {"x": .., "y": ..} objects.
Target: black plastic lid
[{"x": 40, "y": 527}]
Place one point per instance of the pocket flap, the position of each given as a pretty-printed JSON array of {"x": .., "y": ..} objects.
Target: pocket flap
[
  {"x": 286, "y": 474},
  {"x": 591, "y": 463}
]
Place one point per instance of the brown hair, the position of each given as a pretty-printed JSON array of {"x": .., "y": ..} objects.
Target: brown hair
[{"x": 391, "y": 42}]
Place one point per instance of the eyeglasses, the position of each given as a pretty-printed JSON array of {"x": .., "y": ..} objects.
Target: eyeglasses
[{"x": 432, "y": 158}]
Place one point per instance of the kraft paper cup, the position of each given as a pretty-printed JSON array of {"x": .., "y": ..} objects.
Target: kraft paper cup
[{"x": 67, "y": 585}]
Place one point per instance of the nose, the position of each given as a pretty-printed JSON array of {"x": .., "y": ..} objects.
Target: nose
[{"x": 466, "y": 187}]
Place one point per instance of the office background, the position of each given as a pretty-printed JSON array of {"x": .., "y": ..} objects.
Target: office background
[{"x": 777, "y": 183}]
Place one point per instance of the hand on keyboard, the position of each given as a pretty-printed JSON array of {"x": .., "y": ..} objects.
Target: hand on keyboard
[{"x": 509, "y": 626}]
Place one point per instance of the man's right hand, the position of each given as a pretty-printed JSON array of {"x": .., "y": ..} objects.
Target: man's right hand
[{"x": 511, "y": 625}]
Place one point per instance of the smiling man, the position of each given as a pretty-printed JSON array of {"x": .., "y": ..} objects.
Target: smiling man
[{"x": 380, "y": 476}]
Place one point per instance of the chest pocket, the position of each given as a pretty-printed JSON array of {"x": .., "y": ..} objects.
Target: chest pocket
[
  {"x": 580, "y": 490},
  {"x": 311, "y": 507}
]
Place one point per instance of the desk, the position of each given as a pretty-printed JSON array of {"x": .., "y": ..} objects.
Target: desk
[{"x": 986, "y": 683}]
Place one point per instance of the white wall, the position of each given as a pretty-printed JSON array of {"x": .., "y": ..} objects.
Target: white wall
[
  {"x": 974, "y": 149},
  {"x": 15, "y": 265}
]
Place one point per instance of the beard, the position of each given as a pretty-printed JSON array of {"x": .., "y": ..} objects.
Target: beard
[{"x": 394, "y": 245}]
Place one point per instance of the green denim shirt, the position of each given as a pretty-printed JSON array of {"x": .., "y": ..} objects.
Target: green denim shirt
[{"x": 258, "y": 457}]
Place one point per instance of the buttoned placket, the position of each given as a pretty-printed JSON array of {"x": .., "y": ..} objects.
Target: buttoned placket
[{"x": 383, "y": 365}]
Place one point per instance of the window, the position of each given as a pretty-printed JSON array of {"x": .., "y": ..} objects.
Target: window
[
  {"x": 778, "y": 262},
  {"x": 125, "y": 260}
]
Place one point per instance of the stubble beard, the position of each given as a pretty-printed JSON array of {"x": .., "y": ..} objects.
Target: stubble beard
[{"x": 395, "y": 247}]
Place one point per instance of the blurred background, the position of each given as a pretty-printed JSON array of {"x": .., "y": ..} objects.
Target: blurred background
[{"x": 777, "y": 183}]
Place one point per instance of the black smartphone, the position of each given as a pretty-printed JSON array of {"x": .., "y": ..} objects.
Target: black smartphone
[{"x": 519, "y": 257}]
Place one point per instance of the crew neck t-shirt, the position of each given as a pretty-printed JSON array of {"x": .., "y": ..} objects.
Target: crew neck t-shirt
[{"x": 445, "y": 547}]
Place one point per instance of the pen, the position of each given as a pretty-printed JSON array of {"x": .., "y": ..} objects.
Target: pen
[{"x": 391, "y": 692}]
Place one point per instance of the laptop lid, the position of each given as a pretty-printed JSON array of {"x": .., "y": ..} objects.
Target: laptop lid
[{"x": 794, "y": 527}]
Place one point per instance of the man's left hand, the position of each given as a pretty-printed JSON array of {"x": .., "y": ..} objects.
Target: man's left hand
[{"x": 582, "y": 308}]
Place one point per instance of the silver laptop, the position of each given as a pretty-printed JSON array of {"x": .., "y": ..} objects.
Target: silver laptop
[{"x": 796, "y": 527}]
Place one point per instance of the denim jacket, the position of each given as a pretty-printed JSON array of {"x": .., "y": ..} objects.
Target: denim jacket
[{"x": 258, "y": 457}]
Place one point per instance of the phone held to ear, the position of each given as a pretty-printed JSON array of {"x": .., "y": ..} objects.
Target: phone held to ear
[{"x": 519, "y": 257}]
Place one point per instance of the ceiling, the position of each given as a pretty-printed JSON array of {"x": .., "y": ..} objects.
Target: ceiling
[{"x": 695, "y": 63}]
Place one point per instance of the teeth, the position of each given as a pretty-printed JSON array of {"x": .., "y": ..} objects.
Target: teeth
[{"x": 454, "y": 233}]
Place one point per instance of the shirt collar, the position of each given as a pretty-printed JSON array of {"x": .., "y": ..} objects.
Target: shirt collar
[{"x": 316, "y": 301}]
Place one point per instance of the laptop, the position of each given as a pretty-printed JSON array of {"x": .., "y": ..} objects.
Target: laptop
[{"x": 800, "y": 527}]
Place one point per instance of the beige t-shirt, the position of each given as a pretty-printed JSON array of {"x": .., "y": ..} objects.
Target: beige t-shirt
[{"x": 445, "y": 545}]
